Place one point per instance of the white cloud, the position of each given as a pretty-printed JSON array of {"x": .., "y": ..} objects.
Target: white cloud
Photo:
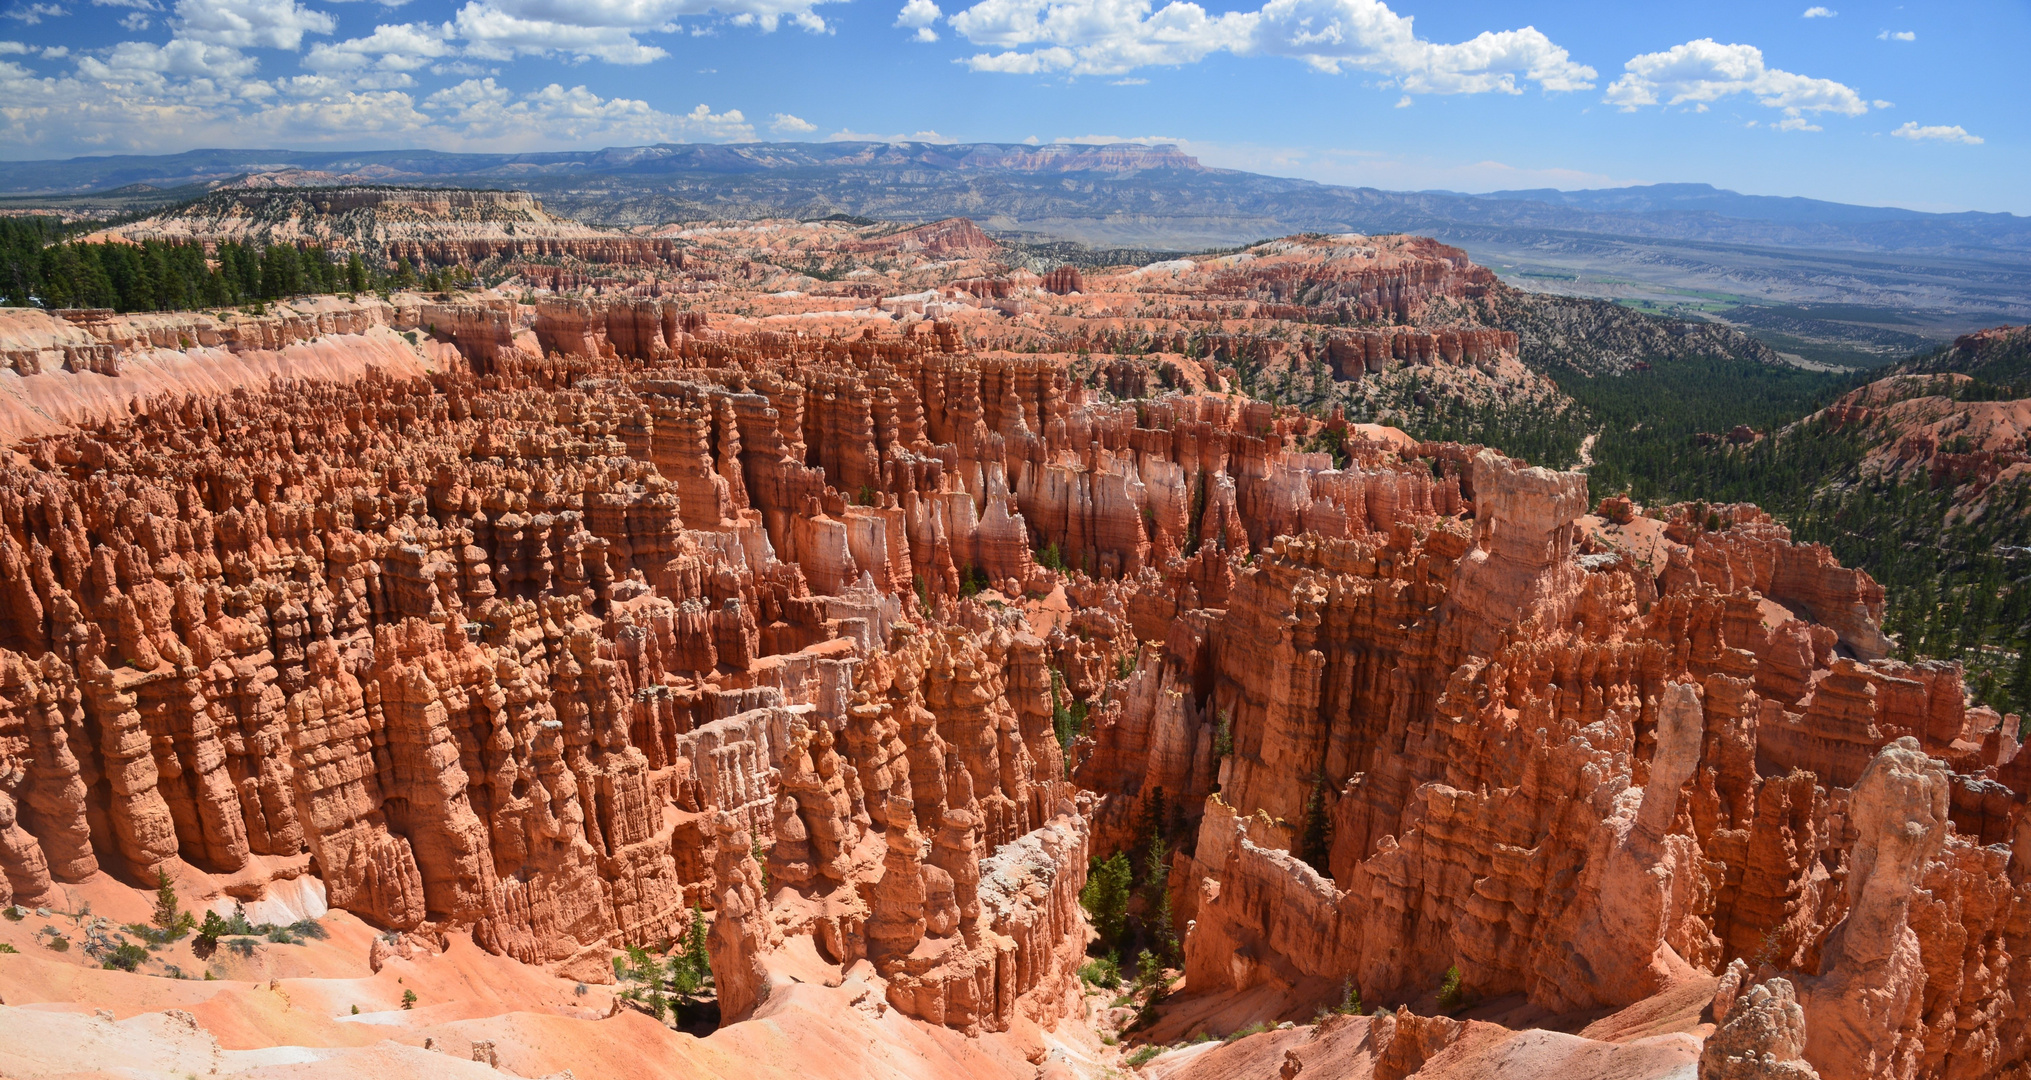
[
  {"x": 1129, "y": 82},
  {"x": 274, "y": 24},
  {"x": 919, "y": 15},
  {"x": 494, "y": 34},
  {"x": 135, "y": 20},
  {"x": 139, "y": 97},
  {"x": 1111, "y": 37},
  {"x": 1795, "y": 123},
  {"x": 1404, "y": 102},
  {"x": 1819, "y": 12},
  {"x": 15, "y": 48},
  {"x": 661, "y": 15},
  {"x": 1704, "y": 71},
  {"x": 786, "y": 124},
  {"x": 138, "y": 5},
  {"x": 396, "y": 47},
  {"x": 1936, "y": 133},
  {"x": 483, "y": 112},
  {"x": 33, "y": 14},
  {"x": 1897, "y": 35},
  {"x": 849, "y": 135},
  {"x": 141, "y": 63}
]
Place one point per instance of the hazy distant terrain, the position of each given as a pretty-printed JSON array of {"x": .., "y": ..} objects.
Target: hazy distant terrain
[{"x": 1851, "y": 284}]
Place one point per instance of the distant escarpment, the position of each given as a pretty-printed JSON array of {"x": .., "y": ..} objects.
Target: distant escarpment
[{"x": 436, "y": 226}]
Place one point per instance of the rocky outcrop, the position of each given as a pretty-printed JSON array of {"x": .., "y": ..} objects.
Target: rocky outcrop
[
  {"x": 1863, "y": 1014},
  {"x": 742, "y": 931},
  {"x": 1763, "y": 1038}
]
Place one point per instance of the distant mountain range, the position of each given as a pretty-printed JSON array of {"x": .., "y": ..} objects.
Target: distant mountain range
[{"x": 1665, "y": 242}]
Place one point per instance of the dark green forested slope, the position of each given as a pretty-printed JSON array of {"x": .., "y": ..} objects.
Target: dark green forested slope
[
  {"x": 39, "y": 267},
  {"x": 1956, "y": 565}
]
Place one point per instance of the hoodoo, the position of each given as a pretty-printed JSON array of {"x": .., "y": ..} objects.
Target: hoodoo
[{"x": 745, "y": 671}]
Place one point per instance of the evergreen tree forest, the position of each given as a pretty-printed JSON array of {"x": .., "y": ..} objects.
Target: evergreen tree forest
[{"x": 39, "y": 267}]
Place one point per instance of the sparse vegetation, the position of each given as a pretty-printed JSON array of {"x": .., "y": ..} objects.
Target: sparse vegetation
[
  {"x": 1450, "y": 995},
  {"x": 1103, "y": 974}
]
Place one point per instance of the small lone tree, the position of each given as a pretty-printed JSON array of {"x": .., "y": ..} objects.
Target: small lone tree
[
  {"x": 1157, "y": 900},
  {"x": 169, "y": 914}
]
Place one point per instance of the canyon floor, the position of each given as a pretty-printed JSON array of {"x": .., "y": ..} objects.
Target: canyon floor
[{"x": 862, "y": 641}]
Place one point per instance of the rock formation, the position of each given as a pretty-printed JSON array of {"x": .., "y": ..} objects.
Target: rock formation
[{"x": 834, "y": 616}]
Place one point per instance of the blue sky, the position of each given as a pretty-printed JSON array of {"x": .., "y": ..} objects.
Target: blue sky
[{"x": 1897, "y": 104}]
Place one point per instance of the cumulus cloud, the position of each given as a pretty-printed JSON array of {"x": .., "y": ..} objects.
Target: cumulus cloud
[
  {"x": 1111, "y": 37},
  {"x": 1698, "y": 73},
  {"x": 135, "y": 20},
  {"x": 485, "y": 112},
  {"x": 142, "y": 97},
  {"x": 1818, "y": 12},
  {"x": 1936, "y": 133},
  {"x": 661, "y": 15},
  {"x": 919, "y": 15},
  {"x": 240, "y": 24},
  {"x": 1897, "y": 35},
  {"x": 143, "y": 64},
  {"x": 786, "y": 124},
  {"x": 399, "y": 47},
  {"x": 494, "y": 34}
]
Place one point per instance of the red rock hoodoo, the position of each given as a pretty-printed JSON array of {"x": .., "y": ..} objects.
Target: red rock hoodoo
[{"x": 560, "y": 625}]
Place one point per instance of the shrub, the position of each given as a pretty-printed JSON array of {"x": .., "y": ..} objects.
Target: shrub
[
  {"x": 408, "y": 999},
  {"x": 1104, "y": 973},
  {"x": 57, "y": 943},
  {"x": 1450, "y": 996},
  {"x": 309, "y": 928},
  {"x": 1237, "y": 1034},
  {"x": 1350, "y": 998},
  {"x": 13, "y": 913},
  {"x": 356, "y": 1010},
  {"x": 1143, "y": 1055},
  {"x": 1152, "y": 986},
  {"x": 6, "y": 948},
  {"x": 127, "y": 956}
]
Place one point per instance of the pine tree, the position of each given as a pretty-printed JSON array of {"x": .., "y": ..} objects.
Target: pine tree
[
  {"x": 1157, "y": 900},
  {"x": 1105, "y": 897},
  {"x": 169, "y": 914}
]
